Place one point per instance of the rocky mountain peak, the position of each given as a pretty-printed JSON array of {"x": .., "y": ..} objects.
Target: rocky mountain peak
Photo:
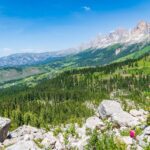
[
  {"x": 142, "y": 27},
  {"x": 138, "y": 34}
]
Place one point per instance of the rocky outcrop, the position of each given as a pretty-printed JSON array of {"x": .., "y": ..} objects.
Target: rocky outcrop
[
  {"x": 108, "y": 107},
  {"x": 4, "y": 126},
  {"x": 111, "y": 108},
  {"x": 124, "y": 119},
  {"x": 73, "y": 136}
]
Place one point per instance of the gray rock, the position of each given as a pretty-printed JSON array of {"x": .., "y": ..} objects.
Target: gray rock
[
  {"x": 81, "y": 131},
  {"x": 142, "y": 143},
  {"x": 80, "y": 144},
  {"x": 147, "y": 131},
  {"x": 127, "y": 140},
  {"x": 9, "y": 142},
  {"x": 24, "y": 145},
  {"x": 4, "y": 127},
  {"x": 93, "y": 122},
  {"x": 27, "y": 130},
  {"x": 28, "y": 137},
  {"x": 49, "y": 140},
  {"x": 108, "y": 107},
  {"x": 124, "y": 119},
  {"x": 59, "y": 146},
  {"x": 139, "y": 147},
  {"x": 136, "y": 113}
]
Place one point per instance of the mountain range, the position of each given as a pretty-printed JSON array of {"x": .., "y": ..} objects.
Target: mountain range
[
  {"x": 124, "y": 37},
  {"x": 116, "y": 46}
]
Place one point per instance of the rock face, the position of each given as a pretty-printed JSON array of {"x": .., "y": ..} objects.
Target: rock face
[{"x": 4, "y": 126}]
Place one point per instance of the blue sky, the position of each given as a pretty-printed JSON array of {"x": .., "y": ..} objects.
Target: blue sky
[{"x": 48, "y": 25}]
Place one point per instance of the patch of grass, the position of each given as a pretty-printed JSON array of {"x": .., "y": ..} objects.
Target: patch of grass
[
  {"x": 57, "y": 131},
  {"x": 125, "y": 132},
  {"x": 38, "y": 143},
  {"x": 103, "y": 142},
  {"x": 148, "y": 120}
]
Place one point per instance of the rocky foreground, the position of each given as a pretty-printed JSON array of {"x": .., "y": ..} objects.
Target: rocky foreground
[{"x": 109, "y": 118}]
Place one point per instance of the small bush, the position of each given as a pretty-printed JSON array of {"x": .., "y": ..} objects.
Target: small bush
[
  {"x": 125, "y": 132},
  {"x": 148, "y": 120},
  {"x": 138, "y": 130},
  {"x": 103, "y": 142},
  {"x": 57, "y": 131}
]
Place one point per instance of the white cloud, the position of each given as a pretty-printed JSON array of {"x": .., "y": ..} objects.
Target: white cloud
[
  {"x": 5, "y": 52},
  {"x": 86, "y": 8}
]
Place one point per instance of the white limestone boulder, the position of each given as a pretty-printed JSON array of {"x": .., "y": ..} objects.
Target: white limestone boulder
[
  {"x": 9, "y": 142},
  {"x": 28, "y": 131},
  {"x": 49, "y": 140},
  {"x": 80, "y": 144},
  {"x": 4, "y": 127},
  {"x": 81, "y": 131},
  {"x": 124, "y": 119},
  {"x": 24, "y": 145},
  {"x": 108, "y": 107},
  {"x": 136, "y": 113},
  {"x": 60, "y": 137},
  {"x": 59, "y": 146},
  {"x": 127, "y": 140},
  {"x": 147, "y": 131},
  {"x": 93, "y": 122}
]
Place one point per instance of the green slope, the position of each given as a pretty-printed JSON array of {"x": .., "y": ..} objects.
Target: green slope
[
  {"x": 89, "y": 57},
  {"x": 9, "y": 74},
  {"x": 63, "y": 99}
]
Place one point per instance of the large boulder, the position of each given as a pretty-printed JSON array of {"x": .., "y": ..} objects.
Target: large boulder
[
  {"x": 124, "y": 119},
  {"x": 23, "y": 145},
  {"x": 93, "y": 122},
  {"x": 108, "y": 107},
  {"x": 111, "y": 108},
  {"x": 4, "y": 126}
]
